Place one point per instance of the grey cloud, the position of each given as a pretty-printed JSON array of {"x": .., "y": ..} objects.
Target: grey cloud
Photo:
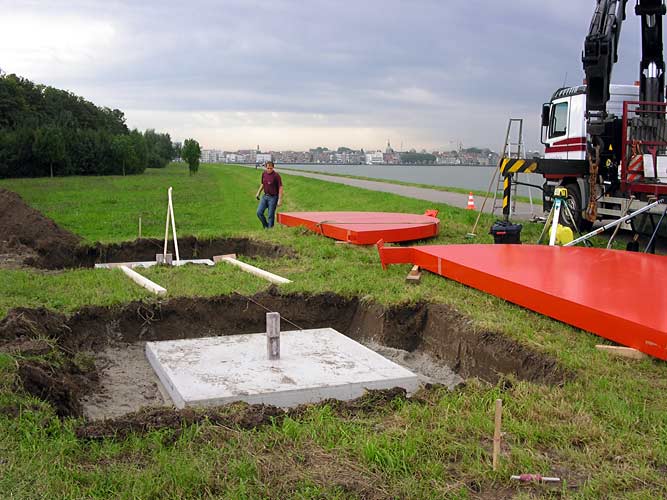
[{"x": 399, "y": 63}]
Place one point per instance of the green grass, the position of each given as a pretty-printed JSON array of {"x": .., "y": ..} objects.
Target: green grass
[{"x": 604, "y": 433}]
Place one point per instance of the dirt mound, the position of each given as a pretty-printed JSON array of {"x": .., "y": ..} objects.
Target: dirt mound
[
  {"x": 243, "y": 415},
  {"x": 62, "y": 386},
  {"x": 239, "y": 414},
  {"x": 29, "y": 238}
]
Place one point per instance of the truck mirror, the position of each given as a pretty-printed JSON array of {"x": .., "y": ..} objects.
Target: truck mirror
[{"x": 545, "y": 114}]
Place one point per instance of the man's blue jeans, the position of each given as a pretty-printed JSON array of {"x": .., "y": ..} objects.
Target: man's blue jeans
[{"x": 270, "y": 202}]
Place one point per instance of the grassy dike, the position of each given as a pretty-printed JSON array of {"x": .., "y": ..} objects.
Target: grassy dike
[{"x": 604, "y": 432}]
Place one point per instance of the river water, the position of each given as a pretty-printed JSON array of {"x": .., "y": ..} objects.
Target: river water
[{"x": 473, "y": 177}]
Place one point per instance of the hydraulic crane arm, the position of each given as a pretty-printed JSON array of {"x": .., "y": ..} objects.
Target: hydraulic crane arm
[
  {"x": 652, "y": 66},
  {"x": 601, "y": 53},
  {"x": 599, "y": 56}
]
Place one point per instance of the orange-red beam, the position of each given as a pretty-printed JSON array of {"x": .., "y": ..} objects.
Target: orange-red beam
[
  {"x": 618, "y": 295},
  {"x": 366, "y": 228}
]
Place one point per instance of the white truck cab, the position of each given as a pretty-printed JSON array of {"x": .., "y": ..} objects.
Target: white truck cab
[{"x": 564, "y": 131}]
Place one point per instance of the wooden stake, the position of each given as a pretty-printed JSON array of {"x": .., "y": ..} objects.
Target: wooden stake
[
  {"x": 496, "y": 433},
  {"x": 140, "y": 227},
  {"x": 143, "y": 281},
  {"x": 218, "y": 258},
  {"x": 625, "y": 352},
  {"x": 414, "y": 276},
  {"x": 273, "y": 278}
]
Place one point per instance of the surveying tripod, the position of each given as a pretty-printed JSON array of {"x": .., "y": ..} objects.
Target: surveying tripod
[{"x": 560, "y": 203}]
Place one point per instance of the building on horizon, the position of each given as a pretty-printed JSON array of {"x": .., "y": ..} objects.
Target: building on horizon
[
  {"x": 263, "y": 157},
  {"x": 375, "y": 158},
  {"x": 211, "y": 156}
]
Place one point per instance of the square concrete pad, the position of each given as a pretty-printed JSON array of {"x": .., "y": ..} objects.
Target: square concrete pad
[{"x": 314, "y": 365}]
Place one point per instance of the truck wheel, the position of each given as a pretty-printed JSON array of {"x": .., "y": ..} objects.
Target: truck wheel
[{"x": 575, "y": 204}]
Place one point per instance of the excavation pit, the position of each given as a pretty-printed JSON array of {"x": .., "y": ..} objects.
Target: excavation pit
[
  {"x": 314, "y": 365},
  {"x": 30, "y": 239},
  {"x": 93, "y": 363}
]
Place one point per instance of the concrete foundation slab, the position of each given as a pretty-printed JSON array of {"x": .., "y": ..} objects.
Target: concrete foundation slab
[{"x": 314, "y": 365}]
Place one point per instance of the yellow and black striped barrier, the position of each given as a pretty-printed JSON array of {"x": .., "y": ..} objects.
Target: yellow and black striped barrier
[
  {"x": 515, "y": 166},
  {"x": 509, "y": 166},
  {"x": 507, "y": 185}
]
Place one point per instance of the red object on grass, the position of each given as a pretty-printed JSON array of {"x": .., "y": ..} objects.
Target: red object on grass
[
  {"x": 618, "y": 295},
  {"x": 366, "y": 228}
]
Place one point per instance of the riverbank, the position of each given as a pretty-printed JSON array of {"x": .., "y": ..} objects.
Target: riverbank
[{"x": 451, "y": 196}]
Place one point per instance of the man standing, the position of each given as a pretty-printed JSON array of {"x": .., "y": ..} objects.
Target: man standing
[{"x": 272, "y": 186}]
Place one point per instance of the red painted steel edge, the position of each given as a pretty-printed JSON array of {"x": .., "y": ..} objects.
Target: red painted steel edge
[
  {"x": 618, "y": 295},
  {"x": 366, "y": 228}
]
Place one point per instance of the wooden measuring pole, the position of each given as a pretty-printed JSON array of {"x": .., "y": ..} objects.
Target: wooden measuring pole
[
  {"x": 496, "y": 433},
  {"x": 273, "y": 335}
]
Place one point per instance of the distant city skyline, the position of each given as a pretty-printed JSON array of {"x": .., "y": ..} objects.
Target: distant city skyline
[
  {"x": 347, "y": 156},
  {"x": 295, "y": 75}
]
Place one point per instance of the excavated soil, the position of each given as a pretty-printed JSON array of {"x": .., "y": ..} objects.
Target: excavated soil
[
  {"x": 28, "y": 238},
  {"x": 97, "y": 368}
]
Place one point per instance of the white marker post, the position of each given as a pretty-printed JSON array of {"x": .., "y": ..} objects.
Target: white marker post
[
  {"x": 273, "y": 335},
  {"x": 170, "y": 215}
]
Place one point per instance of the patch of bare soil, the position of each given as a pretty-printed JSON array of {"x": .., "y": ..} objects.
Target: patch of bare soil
[
  {"x": 429, "y": 370},
  {"x": 62, "y": 383},
  {"x": 28, "y": 238},
  {"x": 126, "y": 379},
  {"x": 118, "y": 381},
  {"x": 240, "y": 415}
]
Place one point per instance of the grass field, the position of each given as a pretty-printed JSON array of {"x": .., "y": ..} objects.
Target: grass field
[{"x": 604, "y": 432}]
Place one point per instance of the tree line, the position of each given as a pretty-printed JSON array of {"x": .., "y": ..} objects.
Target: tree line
[{"x": 47, "y": 131}]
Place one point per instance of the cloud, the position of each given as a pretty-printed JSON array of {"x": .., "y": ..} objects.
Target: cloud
[
  {"x": 49, "y": 46},
  {"x": 290, "y": 73}
]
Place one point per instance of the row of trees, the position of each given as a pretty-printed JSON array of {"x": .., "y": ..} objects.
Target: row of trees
[
  {"x": 50, "y": 150},
  {"x": 47, "y": 131}
]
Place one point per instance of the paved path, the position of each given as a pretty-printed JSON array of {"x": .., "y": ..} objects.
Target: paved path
[
  {"x": 449, "y": 198},
  {"x": 454, "y": 199}
]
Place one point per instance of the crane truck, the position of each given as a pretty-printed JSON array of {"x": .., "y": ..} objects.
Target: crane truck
[{"x": 605, "y": 143}]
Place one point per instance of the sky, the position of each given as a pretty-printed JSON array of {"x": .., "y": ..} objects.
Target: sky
[{"x": 297, "y": 74}]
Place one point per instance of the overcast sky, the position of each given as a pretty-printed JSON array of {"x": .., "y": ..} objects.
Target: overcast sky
[{"x": 296, "y": 74}]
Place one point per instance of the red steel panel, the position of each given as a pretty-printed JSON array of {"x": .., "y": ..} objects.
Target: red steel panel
[
  {"x": 365, "y": 228},
  {"x": 618, "y": 295}
]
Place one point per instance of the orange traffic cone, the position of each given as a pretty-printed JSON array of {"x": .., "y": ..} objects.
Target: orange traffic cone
[{"x": 471, "y": 202}]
